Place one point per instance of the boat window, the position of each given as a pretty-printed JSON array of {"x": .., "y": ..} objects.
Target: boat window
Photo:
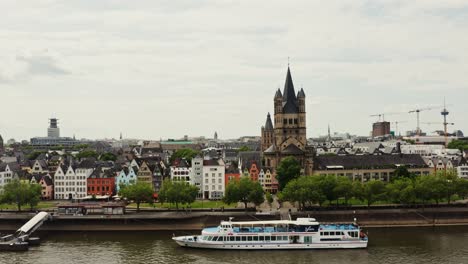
[
  {"x": 273, "y": 238},
  {"x": 261, "y": 238},
  {"x": 244, "y": 238},
  {"x": 326, "y": 233},
  {"x": 205, "y": 238},
  {"x": 231, "y": 238},
  {"x": 237, "y": 238},
  {"x": 267, "y": 238},
  {"x": 285, "y": 238},
  {"x": 255, "y": 238}
]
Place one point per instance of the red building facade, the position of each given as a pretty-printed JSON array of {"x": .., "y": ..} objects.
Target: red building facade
[
  {"x": 254, "y": 171},
  {"x": 100, "y": 185}
]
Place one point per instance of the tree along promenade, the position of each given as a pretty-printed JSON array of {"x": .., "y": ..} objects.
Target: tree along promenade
[{"x": 196, "y": 220}]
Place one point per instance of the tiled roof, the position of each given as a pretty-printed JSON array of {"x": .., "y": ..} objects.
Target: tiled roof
[{"x": 292, "y": 150}]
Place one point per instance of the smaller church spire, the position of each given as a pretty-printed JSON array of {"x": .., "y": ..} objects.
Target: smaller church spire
[
  {"x": 268, "y": 123},
  {"x": 278, "y": 93},
  {"x": 301, "y": 93},
  {"x": 329, "y": 134}
]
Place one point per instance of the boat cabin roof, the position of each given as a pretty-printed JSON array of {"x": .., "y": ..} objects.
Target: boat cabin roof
[{"x": 298, "y": 221}]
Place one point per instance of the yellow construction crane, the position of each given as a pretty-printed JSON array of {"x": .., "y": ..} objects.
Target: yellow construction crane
[
  {"x": 417, "y": 111},
  {"x": 382, "y": 115},
  {"x": 396, "y": 125}
]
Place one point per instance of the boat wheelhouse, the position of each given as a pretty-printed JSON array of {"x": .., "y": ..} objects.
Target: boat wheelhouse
[{"x": 302, "y": 233}]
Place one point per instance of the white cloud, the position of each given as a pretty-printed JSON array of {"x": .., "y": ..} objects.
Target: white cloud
[{"x": 167, "y": 68}]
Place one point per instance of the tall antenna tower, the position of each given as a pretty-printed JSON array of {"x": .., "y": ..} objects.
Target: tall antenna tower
[{"x": 445, "y": 113}]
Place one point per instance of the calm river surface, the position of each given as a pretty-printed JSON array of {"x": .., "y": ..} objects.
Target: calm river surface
[{"x": 396, "y": 245}]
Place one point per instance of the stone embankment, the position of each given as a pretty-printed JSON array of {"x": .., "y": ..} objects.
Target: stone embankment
[{"x": 173, "y": 221}]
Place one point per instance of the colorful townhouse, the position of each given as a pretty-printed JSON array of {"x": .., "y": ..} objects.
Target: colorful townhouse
[{"x": 126, "y": 176}]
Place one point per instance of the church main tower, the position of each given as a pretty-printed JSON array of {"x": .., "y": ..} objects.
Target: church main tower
[
  {"x": 288, "y": 137},
  {"x": 290, "y": 117}
]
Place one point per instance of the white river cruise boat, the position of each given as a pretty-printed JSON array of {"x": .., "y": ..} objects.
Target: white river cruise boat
[{"x": 302, "y": 233}]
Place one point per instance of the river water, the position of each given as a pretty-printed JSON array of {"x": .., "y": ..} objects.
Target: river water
[{"x": 395, "y": 245}]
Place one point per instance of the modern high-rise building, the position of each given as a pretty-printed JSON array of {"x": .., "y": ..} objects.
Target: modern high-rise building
[
  {"x": 53, "y": 137},
  {"x": 53, "y": 131},
  {"x": 380, "y": 129}
]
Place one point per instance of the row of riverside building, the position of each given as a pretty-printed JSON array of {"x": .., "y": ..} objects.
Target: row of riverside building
[
  {"x": 62, "y": 177},
  {"x": 70, "y": 179}
]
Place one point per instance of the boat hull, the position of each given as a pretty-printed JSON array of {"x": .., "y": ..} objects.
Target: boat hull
[
  {"x": 184, "y": 242},
  {"x": 14, "y": 246}
]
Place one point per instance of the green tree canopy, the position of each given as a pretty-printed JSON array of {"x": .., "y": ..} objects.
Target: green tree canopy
[
  {"x": 244, "y": 148},
  {"x": 304, "y": 190},
  {"x": 328, "y": 185},
  {"x": 185, "y": 153},
  {"x": 177, "y": 192},
  {"x": 373, "y": 191},
  {"x": 108, "y": 156},
  {"x": 288, "y": 169},
  {"x": 401, "y": 191},
  {"x": 462, "y": 188},
  {"x": 402, "y": 172},
  {"x": 21, "y": 193},
  {"x": 458, "y": 144},
  {"x": 344, "y": 188},
  {"x": 244, "y": 190},
  {"x": 87, "y": 154},
  {"x": 138, "y": 192},
  {"x": 33, "y": 155}
]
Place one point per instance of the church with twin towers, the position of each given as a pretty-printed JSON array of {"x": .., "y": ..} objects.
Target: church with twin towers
[{"x": 285, "y": 135}]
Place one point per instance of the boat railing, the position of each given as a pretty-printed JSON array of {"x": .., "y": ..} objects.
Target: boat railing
[
  {"x": 338, "y": 227},
  {"x": 261, "y": 229}
]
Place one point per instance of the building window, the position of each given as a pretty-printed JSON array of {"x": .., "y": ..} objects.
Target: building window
[
  {"x": 290, "y": 121},
  {"x": 285, "y": 121}
]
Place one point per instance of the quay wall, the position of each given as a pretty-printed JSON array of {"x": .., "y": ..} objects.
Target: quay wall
[{"x": 194, "y": 221}]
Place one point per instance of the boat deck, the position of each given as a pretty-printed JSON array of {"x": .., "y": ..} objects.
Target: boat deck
[
  {"x": 269, "y": 229},
  {"x": 338, "y": 227}
]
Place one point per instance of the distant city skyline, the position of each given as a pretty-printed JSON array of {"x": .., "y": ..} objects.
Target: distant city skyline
[{"x": 167, "y": 69}]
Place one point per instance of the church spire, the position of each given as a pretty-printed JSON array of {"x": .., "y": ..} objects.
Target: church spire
[
  {"x": 268, "y": 124},
  {"x": 289, "y": 95}
]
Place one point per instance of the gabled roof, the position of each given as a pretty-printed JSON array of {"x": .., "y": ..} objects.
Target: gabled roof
[
  {"x": 37, "y": 177},
  {"x": 48, "y": 180},
  {"x": 289, "y": 96},
  {"x": 13, "y": 166},
  {"x": 271, "y": 149},
  {"x": 292, "y": 150},
  {"x": 87, "y": 164}
]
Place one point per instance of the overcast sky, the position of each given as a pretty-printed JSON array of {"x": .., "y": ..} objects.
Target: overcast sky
[{"x": 153, "y": 69}]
